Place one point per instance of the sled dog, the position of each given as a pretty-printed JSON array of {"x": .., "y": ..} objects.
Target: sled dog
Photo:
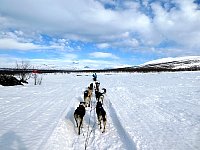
[
  {"x": 87, "y": 98},
  {"x": 79, "y": 114},
  {"x": 97, "y": 84},
  {"x": 90, "y": 92},
  {"x": 91, "y": 86},
  {"x": 101, "y": 115},
  {"x": 100, "y": 95}
]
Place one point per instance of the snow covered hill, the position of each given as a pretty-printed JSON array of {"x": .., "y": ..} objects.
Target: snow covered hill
[
  {"x": 154, "y": 111},
  {"x": 175, "y": 63}
]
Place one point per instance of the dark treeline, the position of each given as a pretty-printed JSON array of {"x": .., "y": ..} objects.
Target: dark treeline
[{"x": 144, "y": 69}]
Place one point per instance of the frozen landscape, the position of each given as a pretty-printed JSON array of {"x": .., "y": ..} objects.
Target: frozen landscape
[
  {"x": 153, "y": 111},
  {"x": 146, "y": 54}
]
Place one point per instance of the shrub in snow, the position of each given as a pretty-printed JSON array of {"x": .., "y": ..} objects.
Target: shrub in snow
[{"x": 8, "y": 80}]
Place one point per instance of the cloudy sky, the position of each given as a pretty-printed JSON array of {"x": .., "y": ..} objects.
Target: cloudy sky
[{"x": 97, "y": 33}]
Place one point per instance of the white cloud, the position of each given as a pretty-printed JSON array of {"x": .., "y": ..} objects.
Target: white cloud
[
  {"x": 103, "y": 45},
  {"x": 179, "y": 25},
  {"x": 70, "y": 56},
  {"x": 128, "y": 42},
  {"x": 83, "y": 20},
  {"x": 16, "y": 41},
  {"x": 100, "y": 64},
  {"x": 66, "y": 62},
  {"x": 60, "y": 44},
  {"x": 8, "y": 61},
  {"x": 13, "y": 44},
  {"x": 88, "y": 20},
  {"x": 103, "y": 55}
]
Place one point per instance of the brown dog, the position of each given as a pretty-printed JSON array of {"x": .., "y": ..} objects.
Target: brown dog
[{"x": 87, "y": 98}]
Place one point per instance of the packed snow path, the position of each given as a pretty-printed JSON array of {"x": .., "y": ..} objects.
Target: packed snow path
[{"x": 144, "y": 111}]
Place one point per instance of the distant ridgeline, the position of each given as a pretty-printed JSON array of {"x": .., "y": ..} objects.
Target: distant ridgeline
[{"x": 164, "y": 67}]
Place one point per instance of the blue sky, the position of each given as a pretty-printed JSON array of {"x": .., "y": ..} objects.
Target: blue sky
[{"x": 97, "y": 33}]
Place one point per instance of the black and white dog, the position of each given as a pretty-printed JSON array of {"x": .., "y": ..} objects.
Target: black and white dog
[
  {"x": 101, "y": 115},
  {"x": 100, "y": 95},
  {"x": 97, "y": 85},
  {"x": 79, "y": 114}
]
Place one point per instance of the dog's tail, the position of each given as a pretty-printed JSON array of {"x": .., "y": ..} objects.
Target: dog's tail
[{"x": 104, "y": 91}]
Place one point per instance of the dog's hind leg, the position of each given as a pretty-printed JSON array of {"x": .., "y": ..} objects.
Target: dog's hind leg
[
  {"x": 76, "y": 122},
  {"x": 101, "y": 99},
  {"x": 79, "y": 128},
  {"x": 100, "y": 121},
  {"x": 100, "y": 124},
  {"x": 89, "y": 103},
  {"x": 104, "y": 126},
  {"x": 75, "y": 118}
]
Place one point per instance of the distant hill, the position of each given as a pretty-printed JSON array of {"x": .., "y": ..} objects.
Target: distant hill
[
  {"x": 179, "y": 63},
  {"x": 190, "y": 63}
]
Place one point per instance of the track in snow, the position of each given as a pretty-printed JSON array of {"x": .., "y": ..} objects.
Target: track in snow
[
  {"x": 91, "y": 136},
  {"x": 124, "y": 136}
]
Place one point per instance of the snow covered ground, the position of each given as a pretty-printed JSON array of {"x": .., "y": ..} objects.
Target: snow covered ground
[{"x": 154, "y": 111}]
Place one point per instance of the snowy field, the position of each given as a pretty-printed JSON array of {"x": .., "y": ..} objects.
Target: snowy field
[{"x": 154, "y": 111}]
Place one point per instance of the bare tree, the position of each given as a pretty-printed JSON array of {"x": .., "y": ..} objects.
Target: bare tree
[
  {"x": 37, "y": 77},
  {"x": 23, "y": 71}
]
